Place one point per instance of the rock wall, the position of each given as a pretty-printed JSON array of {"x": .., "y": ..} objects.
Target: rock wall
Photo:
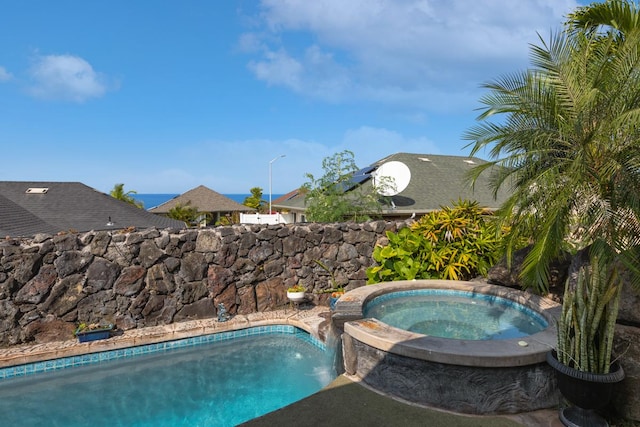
[
  {"x": 49, "y": 284},
  {"x": 626, "y": 396}
]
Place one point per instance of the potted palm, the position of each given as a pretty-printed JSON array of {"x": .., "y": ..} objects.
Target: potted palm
[{"x": 569, "y": 141}]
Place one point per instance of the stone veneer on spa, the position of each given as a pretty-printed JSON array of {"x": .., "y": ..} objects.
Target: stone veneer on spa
[{"x": 72, "y": 361}]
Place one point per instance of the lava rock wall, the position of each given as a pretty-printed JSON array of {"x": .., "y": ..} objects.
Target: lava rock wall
[{"x": 49, "y": 284}]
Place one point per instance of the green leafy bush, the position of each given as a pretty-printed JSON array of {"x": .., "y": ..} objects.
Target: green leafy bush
[
  {"x": 334, "y": 197},
  {"x": 455, "y": 243}
]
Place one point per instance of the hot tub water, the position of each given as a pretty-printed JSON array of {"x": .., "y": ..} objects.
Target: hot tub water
[{"x": 455, "y": 314}]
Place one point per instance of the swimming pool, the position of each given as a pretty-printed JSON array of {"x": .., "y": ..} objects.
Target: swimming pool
[
  {"x": 220, "y": 383},
  {"x": 455, "y": 314}
]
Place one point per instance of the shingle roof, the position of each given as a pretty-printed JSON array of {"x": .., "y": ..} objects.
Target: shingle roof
[
  {"x": 203, "y": 198},
  {"x": 436, "y": 181},
  {"x": 66, "y": 206}
]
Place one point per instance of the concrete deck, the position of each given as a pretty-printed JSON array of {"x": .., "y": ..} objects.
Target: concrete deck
[{"x": 345, "y": 402}]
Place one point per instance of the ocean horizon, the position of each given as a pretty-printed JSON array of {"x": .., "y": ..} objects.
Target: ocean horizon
[{"x": 152, "y": 200}]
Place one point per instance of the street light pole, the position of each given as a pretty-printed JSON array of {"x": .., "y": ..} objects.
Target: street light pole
[{"x": 271, "y": 163}]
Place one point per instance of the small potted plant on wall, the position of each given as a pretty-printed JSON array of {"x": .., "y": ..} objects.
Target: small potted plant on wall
[
  {"x": 296, "y": 293},
  {"x": 86, "y": 332}
]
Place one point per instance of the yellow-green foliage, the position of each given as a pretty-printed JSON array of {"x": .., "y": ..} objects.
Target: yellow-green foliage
[
  {"x": 255, "y": 200},
  {"x": 456, "y": 243}
]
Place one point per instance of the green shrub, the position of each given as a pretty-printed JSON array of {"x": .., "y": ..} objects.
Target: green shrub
[{"x": 455, "y": 243}]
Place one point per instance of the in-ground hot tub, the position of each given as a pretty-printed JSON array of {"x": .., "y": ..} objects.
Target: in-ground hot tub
[{"x": 477, "y": 376}]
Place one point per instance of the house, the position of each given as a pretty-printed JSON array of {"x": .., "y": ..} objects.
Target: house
[
  {"x": 206, "y": 201},
  {"x": 29, "y": 208},
  {"x": 432, "y": 181}
]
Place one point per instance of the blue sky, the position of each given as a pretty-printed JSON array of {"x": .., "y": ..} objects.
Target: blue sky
[{"x": 164, "y": 96}]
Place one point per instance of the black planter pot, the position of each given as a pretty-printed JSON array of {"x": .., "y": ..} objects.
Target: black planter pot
[{"x": 587, "y": 391}]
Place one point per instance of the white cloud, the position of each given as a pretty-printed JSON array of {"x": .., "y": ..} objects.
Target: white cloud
[
  {"x": 397, "y": 51},
  {"x": 314, "y": 73},
  {"x": 5, "y": 75},
  {"x": 65, "y": 77},
  {"x": 250, "y": 43},
  {"x": 278, "y": 68}
]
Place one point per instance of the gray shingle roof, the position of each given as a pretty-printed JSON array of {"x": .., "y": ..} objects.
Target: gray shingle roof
[
  {"x": 436, "y": 181},
  {"x": 203, "y": 198},
  {"x": 68, "y": 206}
]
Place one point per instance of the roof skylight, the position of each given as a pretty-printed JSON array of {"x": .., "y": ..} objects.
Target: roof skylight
[{"x": 37, "y": 190}]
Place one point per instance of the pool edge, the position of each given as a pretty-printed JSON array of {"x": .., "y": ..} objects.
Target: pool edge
[{"x": 309, "y": 320}]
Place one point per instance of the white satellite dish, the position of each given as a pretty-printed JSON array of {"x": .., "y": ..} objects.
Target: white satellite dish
[{"x": 392, "y": 178}]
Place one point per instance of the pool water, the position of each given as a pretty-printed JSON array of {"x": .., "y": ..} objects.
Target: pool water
[
  {"x": 455, "y": 314},
  {"x": 219, "y": 384}
]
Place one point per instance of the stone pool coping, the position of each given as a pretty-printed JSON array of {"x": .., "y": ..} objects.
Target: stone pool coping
[
  {"x": 310, "y": 319},
  {"x": 494, "y": 353}
]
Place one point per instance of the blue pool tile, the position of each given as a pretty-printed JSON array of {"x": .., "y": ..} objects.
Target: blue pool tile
[{"x": 72, "y": 361}]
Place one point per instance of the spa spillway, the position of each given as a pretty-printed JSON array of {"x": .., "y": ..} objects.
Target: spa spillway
[{"x": 461, "y": 346}]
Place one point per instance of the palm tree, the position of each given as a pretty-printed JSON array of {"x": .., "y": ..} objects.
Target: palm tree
[
  {"x": 616, "y": 16},
  {"x": 568, "y": 138},
  {"x": 186, "y": 213},
  {"x": 118, "y": 193}
]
